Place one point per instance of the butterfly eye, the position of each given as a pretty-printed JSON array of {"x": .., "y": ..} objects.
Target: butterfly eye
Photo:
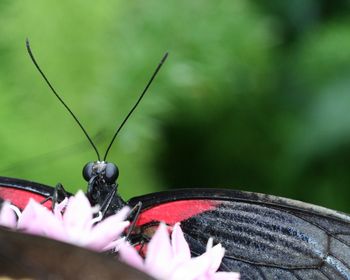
[
  {"x": 111, "y": 173},
  {"x": 87, "y": 171}
]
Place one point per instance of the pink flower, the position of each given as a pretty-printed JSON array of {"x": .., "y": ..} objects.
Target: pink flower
[
  {"x": 72, "y": 221},
  {"x": 171, "y": 259}
]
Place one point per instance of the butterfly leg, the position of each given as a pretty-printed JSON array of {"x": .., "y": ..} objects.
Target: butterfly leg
[
  {"x": 133, "y": 215},
  {"x": 107, "y": 202},
  {"x": 58, "y": 193}
]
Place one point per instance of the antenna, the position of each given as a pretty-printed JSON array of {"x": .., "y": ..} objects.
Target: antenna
[
  {"x": 60, "y": 99},
  {"x": 136, "y": 104}
]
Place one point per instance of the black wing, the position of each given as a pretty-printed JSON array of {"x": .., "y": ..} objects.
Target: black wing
[{"x": 265, "y": 237}]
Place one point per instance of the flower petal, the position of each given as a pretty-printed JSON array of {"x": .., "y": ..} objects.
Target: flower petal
[
  {"x": 37, "y": 219},
  {"x": 108, "y": 230},
  {"x": 216, "y": 254},
  {"x": 225, "y": 276},
  {"x": 78, "y": 215},
  {"x": 129, "y": 255},
  {"x": 179, "y": 244},
  {"x": 104, "y": 234},
  {"x": 114, "y": 245},
  {"x": 30, "y": 220},
  {"x": 192, "y": 269},
  {"x": 159, "y": 253},
  {"x": 8, "y": 216}
]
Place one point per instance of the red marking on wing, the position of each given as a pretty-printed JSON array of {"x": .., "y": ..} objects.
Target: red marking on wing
[
  {"x": 176, "y": 211},
  {"x": 20, "y": 198}
]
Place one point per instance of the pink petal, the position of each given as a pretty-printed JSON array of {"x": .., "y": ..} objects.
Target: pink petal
[
  {"x": 192, "y": 269},
  {"x": 203, "y": 267},
  {"x": 159, "y": 253},
  {"x": 225, "y": 276},
  {"x": 114, "y": 245},
  {"x": 209, "y": 244},
  {"x": 8, "y": 216},
  {"x": 78, "y": 213},
  {"x": 216, "y": 254},
  {"x": 53, "y": 228},
  {"x": 129, "y": 255},
  {"x": 30, "y": 219},
  {"x": 106, "y": 232},
  {"x": 37, "y": 219},
  {"x": 179, "y": 244}
]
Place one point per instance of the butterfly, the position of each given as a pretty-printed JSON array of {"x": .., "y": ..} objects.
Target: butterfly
[{"x": 265, "y": 237}]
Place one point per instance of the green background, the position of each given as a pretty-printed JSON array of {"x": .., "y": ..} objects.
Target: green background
[{"x": 255, "y": 94}]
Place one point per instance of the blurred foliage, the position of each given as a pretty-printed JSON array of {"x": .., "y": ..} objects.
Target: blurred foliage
[{"x": 255, "y": 95}]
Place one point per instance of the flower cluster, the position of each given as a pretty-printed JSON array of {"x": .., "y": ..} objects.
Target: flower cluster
[
  {"x": 171, "y": 258},
  {"x": 74, "y": 221}
]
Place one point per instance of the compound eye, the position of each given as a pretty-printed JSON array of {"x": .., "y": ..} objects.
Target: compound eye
[
  {"x": 111, "y": 173},
  {"x": 88, "y": 170}
]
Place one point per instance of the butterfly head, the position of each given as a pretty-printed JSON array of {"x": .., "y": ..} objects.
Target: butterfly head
[{"x": 106, "y": 171}]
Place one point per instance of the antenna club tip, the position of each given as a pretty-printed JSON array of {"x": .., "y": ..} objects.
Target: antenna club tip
[
  {"x": 27, "y": 43},
  {"x": 165, "y": 57}
]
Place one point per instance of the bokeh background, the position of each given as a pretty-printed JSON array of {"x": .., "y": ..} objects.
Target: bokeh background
[{"x": 255, "y": 95}]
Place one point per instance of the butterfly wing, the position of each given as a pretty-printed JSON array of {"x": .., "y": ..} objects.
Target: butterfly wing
[
  {"x": 19, "y": 191},
  {"x": 265, "y": 237}
]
